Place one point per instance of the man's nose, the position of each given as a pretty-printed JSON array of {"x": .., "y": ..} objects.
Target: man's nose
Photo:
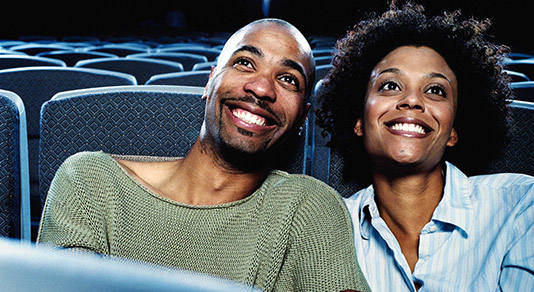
[{"x": 262, "y": 87}]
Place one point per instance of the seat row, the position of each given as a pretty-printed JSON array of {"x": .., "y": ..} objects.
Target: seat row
[{"x": 158, "y": 121}]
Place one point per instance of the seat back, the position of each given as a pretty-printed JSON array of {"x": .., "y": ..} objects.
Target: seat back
[
  {"x": 204, "y": 66},
  {"x": 26, "y": 268},
  {"x": 120, "y": 49},
  {"x": 525, "y": 66},
  {"x": 19, "y": 61},
  {"x": 518, "y": 155},
  {"x": 321, "y": 71},
  {"x": 516, "y": 76},
  {"x": 187, "y": 60},
  {"x": 14, "y": 177},
  {"x": 187, "y": 78},
  {"x": 323, "y": 60},
  {"x": 145, "y": 120},
  {"x": 35, "y": 85},
  {"x": 327, "y": 165},
  {"x": 523, "y": 90},
  {"x": 210, "y": 53},
  {"x": 141, "y": 68},
  {"x": 36, "y": 48},
  {"x": 72, "y": 57}
]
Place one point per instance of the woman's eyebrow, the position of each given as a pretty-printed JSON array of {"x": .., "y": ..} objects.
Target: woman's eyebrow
[{"x": 437, "y": 75}]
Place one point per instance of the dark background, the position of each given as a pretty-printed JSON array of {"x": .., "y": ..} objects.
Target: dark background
[{"x": 511, "y": 19}]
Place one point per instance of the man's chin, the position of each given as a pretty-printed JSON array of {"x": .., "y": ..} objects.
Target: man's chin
[{"x": 246, "y": 159}]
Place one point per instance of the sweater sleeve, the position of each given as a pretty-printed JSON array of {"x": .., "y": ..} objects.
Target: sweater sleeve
[
  {"x": 72, "y": 217},
  {"x": 322, "y": 255}
]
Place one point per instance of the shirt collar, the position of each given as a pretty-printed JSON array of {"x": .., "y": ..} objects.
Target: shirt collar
[
  {"x": 454, "y": 208},
  {"x": 368, "y": 210},
  {"x": 456, "y": 205}
]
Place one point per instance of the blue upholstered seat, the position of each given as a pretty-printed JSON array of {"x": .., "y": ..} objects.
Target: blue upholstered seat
[
  {"x": 210, "y": 53},
  {"x": 141, "y": 68},
  {"x": 523, "y": 90},
  {"x": 26, "y": 268},
  {"x": 187, "y": 78},
  {"x": 14, "y": 177},
  {"x": 35, "y": 85},
  {"x": 186, "y": 59},
  {"x": 72, "y": 57},
  {"x": 18, "y": 61}
]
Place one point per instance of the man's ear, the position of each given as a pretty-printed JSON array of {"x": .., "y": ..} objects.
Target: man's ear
[
  {"x": 305, "y": 113},
  {"x": 205, "y": 95},
  {"x": 453, "y": 138},
  {"x": 358, "y": 128}
]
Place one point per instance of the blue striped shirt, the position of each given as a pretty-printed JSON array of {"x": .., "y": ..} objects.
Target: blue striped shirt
[{"x": 480, "y": 238}]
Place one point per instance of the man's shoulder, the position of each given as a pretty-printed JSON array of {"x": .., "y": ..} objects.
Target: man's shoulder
[
  {"x": 88, "y": 161},
  {"x": 86, "y": 156},
  {"x": 301, "y": 186}
]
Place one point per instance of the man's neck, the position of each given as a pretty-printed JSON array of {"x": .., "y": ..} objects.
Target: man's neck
[{"x": 205, "y": 180}]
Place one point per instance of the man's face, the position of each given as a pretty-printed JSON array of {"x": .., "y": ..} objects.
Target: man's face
[{"x": 256, "y": 95}]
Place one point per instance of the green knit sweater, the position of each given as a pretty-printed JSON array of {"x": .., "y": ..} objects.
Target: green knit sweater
[{"x": 292, "y": 234}]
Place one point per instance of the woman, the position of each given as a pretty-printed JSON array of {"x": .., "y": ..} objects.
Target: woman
[{"x": 412, "y": 99}]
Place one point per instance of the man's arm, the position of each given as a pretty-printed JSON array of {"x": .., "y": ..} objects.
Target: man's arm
[
  {"x": 322, "y": 254},
  {"x": 71, "y": 217}
]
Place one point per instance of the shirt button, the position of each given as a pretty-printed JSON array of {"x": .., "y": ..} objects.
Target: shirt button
[{"x": 433, "y": 228}]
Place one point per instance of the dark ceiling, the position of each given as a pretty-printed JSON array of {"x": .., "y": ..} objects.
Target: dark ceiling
[{"x": 511, "y": 18}]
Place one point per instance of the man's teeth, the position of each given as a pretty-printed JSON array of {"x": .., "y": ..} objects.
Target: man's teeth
[
  {"x": 249, "y": 117},
  {"x": 408, "y": 128}
]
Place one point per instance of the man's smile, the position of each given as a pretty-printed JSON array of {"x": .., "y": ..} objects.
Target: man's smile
[{"x": 249, "y": 117}]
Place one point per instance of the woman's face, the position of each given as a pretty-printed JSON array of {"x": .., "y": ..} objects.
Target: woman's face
[{"x": 409, "y": 109}]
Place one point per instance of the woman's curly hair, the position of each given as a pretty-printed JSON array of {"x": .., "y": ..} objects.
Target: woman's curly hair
[{"x": 483, "y": 90}]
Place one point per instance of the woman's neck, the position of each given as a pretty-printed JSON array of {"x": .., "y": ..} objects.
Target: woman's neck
[{"x": 406, "y": 204}]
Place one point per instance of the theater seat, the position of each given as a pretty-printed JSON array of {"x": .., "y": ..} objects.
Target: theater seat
[
  {"x": 26, "y": 268},
  {"x": 14, "y": 176}
]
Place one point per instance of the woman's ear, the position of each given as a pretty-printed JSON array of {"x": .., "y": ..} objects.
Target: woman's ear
[
  {"x": 453, "y": 138},
  {"x": 358, "y": 128}
]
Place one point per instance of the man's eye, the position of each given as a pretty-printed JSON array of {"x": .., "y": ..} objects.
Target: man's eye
[
  {"x": 291, "y": 80},
  {"x": 243, "y": 62}
]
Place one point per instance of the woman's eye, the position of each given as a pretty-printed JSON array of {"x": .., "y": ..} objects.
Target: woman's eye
[
  {"x": 437, "y": 90},
  {"x": 388, "y": 86}
]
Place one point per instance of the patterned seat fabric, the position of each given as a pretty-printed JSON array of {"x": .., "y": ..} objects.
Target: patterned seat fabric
[{"x": 14, "y": 188}]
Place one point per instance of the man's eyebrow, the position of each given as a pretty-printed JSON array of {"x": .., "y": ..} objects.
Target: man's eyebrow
[
  {"x": 251, "y": 49},
  {"x": 294, "y": 65}
]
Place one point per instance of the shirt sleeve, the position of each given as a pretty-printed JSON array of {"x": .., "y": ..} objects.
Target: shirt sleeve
[
  {"x": 322, "y": 254},
  {"x": 71, "y": 216},
  {"x": 517, "y": 272}
]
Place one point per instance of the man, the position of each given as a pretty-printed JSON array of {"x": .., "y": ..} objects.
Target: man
[{"x": 221, "y": 209}]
